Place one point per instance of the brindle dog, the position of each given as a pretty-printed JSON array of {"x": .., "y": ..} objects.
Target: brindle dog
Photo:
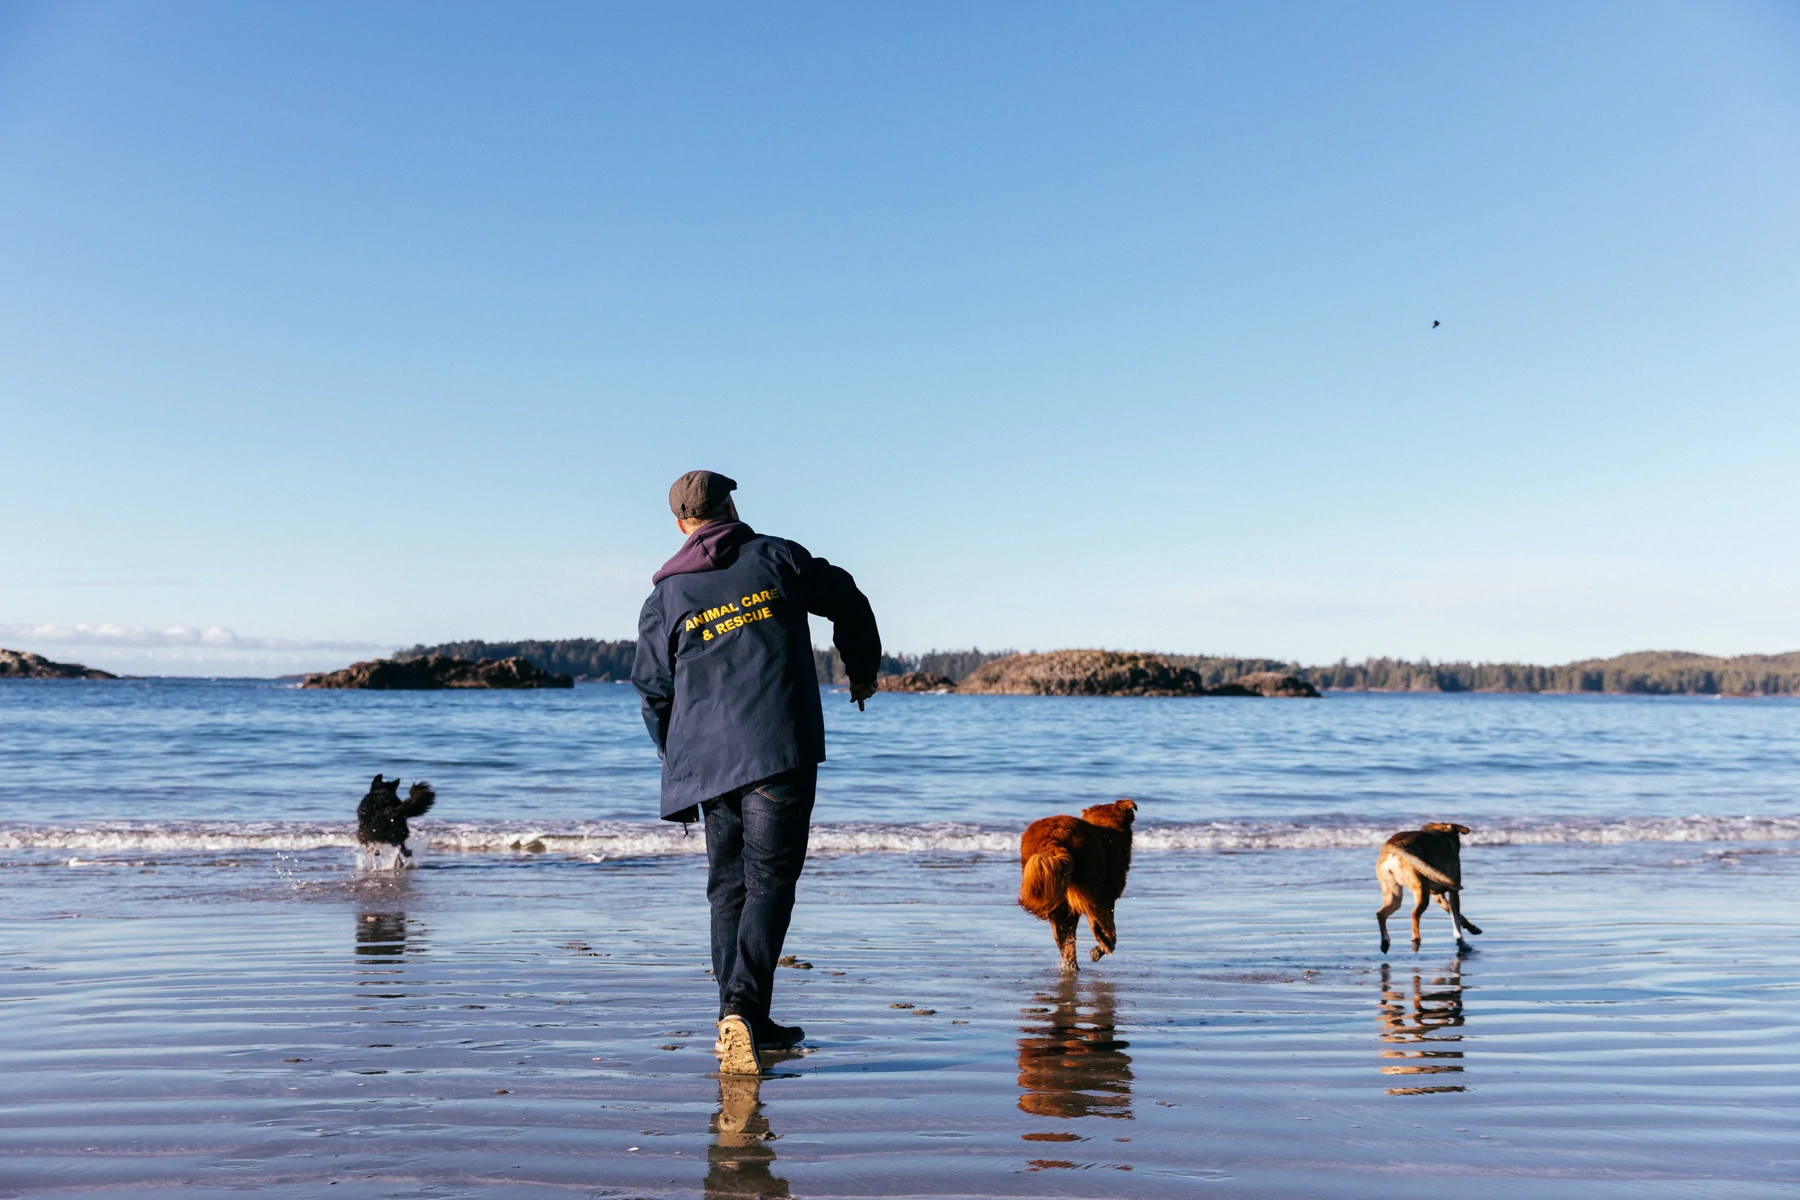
[{"x": 1429, "y": 862}]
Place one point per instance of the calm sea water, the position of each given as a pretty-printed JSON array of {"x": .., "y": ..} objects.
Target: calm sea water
[{"x": 168, "y": 763}]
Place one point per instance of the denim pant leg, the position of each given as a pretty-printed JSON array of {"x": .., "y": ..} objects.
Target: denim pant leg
[
  {"x": 755, "y": 863},
  {"x": 724, "y": 881}
]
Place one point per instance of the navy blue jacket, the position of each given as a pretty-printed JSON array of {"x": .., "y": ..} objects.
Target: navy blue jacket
[{"x": 725, "y": 664}]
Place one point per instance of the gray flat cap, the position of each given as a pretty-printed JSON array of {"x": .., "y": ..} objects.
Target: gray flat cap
[{"x": 701, "y": 495}]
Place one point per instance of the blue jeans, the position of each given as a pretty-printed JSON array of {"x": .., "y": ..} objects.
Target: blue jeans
[{"x": 755, "y": 849}]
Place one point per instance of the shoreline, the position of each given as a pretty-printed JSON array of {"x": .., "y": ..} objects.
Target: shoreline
[
  {"x": 293, "y": 683},
  {"x": 595, "y": 841}
]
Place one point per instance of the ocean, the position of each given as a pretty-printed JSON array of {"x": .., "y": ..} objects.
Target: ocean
[
  {"x": 201, "y": 988},
  {"x": 175, "y": 765}
]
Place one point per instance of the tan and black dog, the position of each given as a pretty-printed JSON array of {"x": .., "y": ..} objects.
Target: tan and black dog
[
  {"x": 1075, "y": 867},
  {"x": 1427, "y": 861}
]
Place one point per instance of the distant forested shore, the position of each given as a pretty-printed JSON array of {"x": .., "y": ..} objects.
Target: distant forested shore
[{"x": 1649, "y": 672}]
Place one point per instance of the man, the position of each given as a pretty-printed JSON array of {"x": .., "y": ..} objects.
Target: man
[{"x": 725, "y": 668}]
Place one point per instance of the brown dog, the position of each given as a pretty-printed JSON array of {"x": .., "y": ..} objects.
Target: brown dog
[
  {"x": 1075, "y": 867},
  {"x": 1427, "y": 861}
]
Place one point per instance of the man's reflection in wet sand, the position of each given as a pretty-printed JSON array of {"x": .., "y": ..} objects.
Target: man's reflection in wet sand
[
  {"x": 1071, "y": 1063},
  {"x": 739, "y": 1161},
  {"x": 1422, "y": 1028}
]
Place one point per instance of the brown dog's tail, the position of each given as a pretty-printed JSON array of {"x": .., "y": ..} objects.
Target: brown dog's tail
[
  {"x": 1045, "y": 882},
  {"x": 1427, "y": 870}
]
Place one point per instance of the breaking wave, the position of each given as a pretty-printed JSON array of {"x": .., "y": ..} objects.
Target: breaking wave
[{"x": 601, "y": 840}]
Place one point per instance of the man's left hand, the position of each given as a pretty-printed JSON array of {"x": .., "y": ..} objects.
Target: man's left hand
[{"x": 860, "y": 692}]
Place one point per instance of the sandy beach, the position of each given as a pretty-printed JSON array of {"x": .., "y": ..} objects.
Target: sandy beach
[{"x": 540, "y": 1026}]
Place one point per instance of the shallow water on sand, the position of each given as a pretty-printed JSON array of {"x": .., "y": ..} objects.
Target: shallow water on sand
[
  {"x": 200, "y": 990},
  {"x": 1628, "y": 1026}
]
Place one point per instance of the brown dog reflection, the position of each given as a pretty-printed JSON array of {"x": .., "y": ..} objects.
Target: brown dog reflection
[
  {"x": 740, "y": 1160},
  {"x": 1422, "y": 1028},
  {"x": 1071, "y": 1061}
]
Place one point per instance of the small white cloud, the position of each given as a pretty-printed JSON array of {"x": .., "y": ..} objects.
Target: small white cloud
[{"x": 108, "y": 634}]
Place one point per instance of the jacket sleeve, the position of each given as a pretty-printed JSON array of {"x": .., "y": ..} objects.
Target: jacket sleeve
[
  {"x": 831, "y": 593},
  {"x": 653, "y": 673}
]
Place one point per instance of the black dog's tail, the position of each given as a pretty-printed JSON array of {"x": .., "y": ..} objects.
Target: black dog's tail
[{"x": 419, "y": 799}]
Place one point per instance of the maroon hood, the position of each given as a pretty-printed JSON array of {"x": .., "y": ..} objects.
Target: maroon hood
[{"x": 708, "y": 548}]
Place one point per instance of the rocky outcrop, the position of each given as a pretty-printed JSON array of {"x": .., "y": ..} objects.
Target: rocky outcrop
[
  {"x": 435, "y": 671},
  {"x": 1081, "y": 673},
  {"x": 1111, "y": 673},
  {"x": 915, "y": 681},
  {"x": 1275, "y": 683},
  {"x": 22, "y": 664}
]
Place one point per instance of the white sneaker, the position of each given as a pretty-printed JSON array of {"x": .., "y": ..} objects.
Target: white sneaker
[{"x": 736, "y": 1048}]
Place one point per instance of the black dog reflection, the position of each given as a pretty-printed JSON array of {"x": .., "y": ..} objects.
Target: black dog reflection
[
  {"x": 380, "y": 935},
  {"x": 739, "y": 1161},
  {"x": 1071, "y": 1063},
  {"x": 1422, "y": 1029},
  {"x": 384, "y": 937}
]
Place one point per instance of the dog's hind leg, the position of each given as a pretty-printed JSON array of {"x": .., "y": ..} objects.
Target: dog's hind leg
[
  {"x": 1456, "y": 914},
  {"x": 1064, "y": 922},
  {"x": 1105, "y": 935},
  {"x": 1390, "y": 903},
  {"x": 1447, "y": 902},
  {"x": 1421, "y": 902}
]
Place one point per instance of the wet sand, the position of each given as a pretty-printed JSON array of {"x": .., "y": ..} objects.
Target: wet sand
[{"x": 1629, "y": 1026}]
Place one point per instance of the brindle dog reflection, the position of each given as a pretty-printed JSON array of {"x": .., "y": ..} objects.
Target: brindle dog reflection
[{"x": 1421, "y": 1027}]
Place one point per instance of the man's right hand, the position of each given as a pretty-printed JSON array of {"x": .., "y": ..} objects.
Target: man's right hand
[{"x": 860, "y": 692}]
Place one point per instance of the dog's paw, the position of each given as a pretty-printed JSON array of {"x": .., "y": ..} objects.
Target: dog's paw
[
  {"x": 1096, "y": 954},
  {"x": 1384, "y": 945},
  {"x": 1415, "y": 945},
  {"x": 1070, "y": 966}
]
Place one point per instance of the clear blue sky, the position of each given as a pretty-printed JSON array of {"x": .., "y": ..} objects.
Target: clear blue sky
[{"x": 331, "y": 327}]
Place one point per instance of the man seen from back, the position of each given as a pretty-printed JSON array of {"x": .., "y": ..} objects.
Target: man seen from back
[{"x": 731, "y": 697}]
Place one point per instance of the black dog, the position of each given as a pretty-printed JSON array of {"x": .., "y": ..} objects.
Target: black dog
[{"x": 381, "y": 817}]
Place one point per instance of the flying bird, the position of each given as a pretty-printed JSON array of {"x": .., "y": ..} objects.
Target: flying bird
[{"x": 1435, "y": 324}]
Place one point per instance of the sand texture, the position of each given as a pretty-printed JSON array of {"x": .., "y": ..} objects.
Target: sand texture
[{"x": 540, "y": 1027}]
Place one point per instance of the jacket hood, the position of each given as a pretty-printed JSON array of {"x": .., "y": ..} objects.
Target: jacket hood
[{"x": 708, "y": 548}]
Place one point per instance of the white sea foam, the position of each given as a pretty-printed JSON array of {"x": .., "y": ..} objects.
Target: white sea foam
[{"x": 601, "y": 840}]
